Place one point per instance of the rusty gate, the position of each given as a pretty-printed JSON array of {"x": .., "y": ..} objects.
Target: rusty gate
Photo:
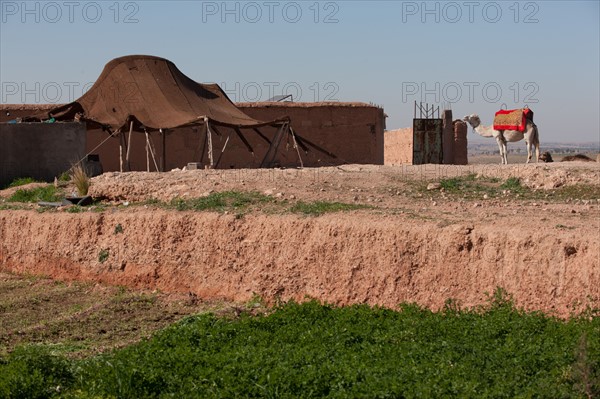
[{"x": 427, "y": 135}]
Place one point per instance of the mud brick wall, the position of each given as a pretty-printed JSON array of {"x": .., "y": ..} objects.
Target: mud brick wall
[
  {"x": 353, "y": 132},
  {"x": 39, "y": 150},
  {"x": 398, "y": 146}
]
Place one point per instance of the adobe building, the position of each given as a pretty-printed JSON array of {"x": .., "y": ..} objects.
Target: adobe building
[{"x": 346, "y": 132}]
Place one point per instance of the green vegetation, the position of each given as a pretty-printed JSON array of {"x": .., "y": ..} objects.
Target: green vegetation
[
  {"x": 317, "y": 208},
  {"x": 65, "y": 177},
  {"x": 312, "y": 351},
  {"x": 46, "y": 193},
  {"x": 243, "y": 201},
  {"x": 222, "y": 201},
  {"x": 474, "y": 187},
  {"x": 21, "y": 182},
  {"x": 103, "y": 255}
]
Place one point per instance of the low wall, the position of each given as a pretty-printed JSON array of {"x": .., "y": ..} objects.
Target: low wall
[
  {"x": 39, "y": 150},
  {"x": 398, "y": 146},
  {"x": 353, "y": 132}
]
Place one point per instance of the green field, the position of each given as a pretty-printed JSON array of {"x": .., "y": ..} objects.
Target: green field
[{"x": 312, "y": 350}]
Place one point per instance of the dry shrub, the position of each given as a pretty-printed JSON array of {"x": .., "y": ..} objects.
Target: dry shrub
[{"x": 80, "y": 179}]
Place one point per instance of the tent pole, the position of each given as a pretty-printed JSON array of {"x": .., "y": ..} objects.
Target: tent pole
[
  {"x": 272, "y": 151},
  {"x": 203, "y": 144},
  {"x": 222, "y": 150},
  {"x": 121, "y": 143},
  {"x": 210, "y": 145},
  {"x": 296, "y": 147},
  {"x": 163, "y": 161},
  {"x": 152, "y": 151},
  {"x": 127, "y": 164},
  {"x": 147, "y": 152}
]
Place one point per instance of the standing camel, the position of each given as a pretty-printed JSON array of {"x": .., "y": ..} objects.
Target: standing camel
[{"x": 530, "y": 134}]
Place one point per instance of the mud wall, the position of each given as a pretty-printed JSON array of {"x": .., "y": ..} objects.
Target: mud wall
[
  {"x": 398, "y": 146},
  {"x": 353, "y": 132},
  {"x": 39, "y": 150},
  {"x": 341, "y": 260}
]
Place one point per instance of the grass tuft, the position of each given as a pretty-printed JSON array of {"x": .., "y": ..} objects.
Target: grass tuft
[
  {"x": 222, "y": 201},
  {"x": 80, "y": 179},
  {"x": 317, "y": 208},
  {"x": 21, "y": 182},
  {"x": 47, "y": 193}
]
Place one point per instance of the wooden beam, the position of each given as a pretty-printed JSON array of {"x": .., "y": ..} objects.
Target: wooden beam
[
  {"x": 313, "y": 145},
  {"x": 272, "y": 152},
  {"x": 265, "y": 138},
  {"x": 241, "y": 136}
]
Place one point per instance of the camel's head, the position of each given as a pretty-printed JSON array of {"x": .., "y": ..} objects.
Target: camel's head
[{"x": 472, "y": 120}]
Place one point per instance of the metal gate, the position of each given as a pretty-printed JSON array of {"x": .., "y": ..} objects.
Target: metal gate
[{"x": 427, "y": 135}]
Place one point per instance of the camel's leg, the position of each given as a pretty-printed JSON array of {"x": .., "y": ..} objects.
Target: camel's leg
[
  {"x": 536, "y": 143},
  {"x": 502, "y": 148},
  {"x": 501, "y": 152},
  {"x": 505, "y": 152},
  {"x": 528, "y": 152}
]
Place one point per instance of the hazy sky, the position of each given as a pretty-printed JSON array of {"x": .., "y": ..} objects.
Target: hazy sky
[{"x": 478, "y": 55}]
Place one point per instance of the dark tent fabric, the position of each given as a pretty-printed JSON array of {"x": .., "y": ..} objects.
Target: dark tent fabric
[{"x": 153, "y": 92}]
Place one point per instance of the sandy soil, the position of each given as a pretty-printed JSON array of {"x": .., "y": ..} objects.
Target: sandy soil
[{"x": 414, "y": 244}]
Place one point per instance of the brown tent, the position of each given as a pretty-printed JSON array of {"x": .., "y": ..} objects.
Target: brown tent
[
  {"x": 147, "y": 93},
  {"x": 155, "y": 94}
]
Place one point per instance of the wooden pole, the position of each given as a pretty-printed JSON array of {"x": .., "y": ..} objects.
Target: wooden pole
[
  {"x": 203, "y": 144},
  {"x": 152, "y": 151},
  {"x": 222, "y": 150},
  {"x": 147, "y": 152},
  {"x": 127, "y": 164},
  {"x": 210, "y": 145},
  {"x": 296, "y": 147},
  {"x": 121, "y": 143},
  {"x": 272, "y": 151},
  {"x": 163, "y": 160}
]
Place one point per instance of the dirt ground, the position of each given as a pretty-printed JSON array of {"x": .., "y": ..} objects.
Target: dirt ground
[
  {"x": 416, "y": 242},
  {"x": 81, "y": 319}
]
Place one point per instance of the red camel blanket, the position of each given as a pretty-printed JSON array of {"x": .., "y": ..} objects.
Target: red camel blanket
[{"x": 512, "y": 119}]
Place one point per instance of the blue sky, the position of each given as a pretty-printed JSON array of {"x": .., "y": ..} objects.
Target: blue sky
[{"x": 479, "y": 55}]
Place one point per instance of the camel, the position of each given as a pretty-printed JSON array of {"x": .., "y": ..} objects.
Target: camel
[{"x": 531, "y": 136}]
